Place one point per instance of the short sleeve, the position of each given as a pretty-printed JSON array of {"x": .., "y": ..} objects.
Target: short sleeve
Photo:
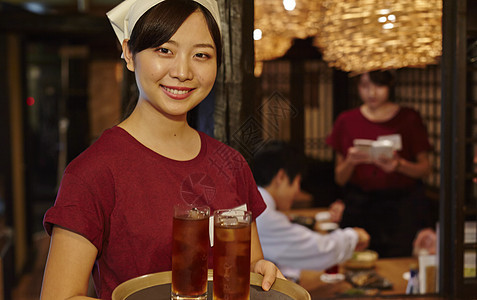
[
  {"x": 256, "y": 203},
  {"x": 81, "y": 205},
  {"x": 419, "y": 136}
]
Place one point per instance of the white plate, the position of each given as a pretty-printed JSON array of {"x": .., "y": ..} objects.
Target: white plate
[
  {"x": 406, "y": 276},
  {"x": 328, "y": 226},
  {"x": 332, "y": 278},
  {"x": 322, "y": 216}
]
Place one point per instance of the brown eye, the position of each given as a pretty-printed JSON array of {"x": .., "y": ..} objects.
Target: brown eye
[
  {"x": 202, "y": 55},
  {"x": 163, "y": 50}
]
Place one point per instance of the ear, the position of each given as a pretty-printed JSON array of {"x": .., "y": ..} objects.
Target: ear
[
  {"x": 281, "y": 176},
  {"x": 128, "y": 57}
]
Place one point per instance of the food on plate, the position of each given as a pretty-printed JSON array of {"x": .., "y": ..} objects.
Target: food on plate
[{"x": 362, "y": 260}]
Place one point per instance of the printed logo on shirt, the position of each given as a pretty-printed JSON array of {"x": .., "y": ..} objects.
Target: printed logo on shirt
[
  {"x": 226, "y": 161},
  {"x": 198, "y": 189}
]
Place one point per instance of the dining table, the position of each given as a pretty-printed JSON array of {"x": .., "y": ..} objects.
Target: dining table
[{"x": 392, "y": 270}]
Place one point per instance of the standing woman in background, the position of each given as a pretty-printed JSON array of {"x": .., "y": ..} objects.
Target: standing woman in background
[
  {"x": 114, "y": 209},
  {"x": 384, "y": 195}
]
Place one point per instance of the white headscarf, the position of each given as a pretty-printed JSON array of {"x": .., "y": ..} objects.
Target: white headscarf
[{"x": 124, "y": 16}]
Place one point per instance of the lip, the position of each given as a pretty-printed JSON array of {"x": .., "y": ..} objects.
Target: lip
[{"x": 177, "y": 92}]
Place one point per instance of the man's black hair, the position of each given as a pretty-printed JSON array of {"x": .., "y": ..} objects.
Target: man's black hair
[{"x": 272, "y": 157}]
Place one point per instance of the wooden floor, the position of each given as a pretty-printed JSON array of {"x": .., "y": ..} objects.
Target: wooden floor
[{"x": 29, "y": 285}]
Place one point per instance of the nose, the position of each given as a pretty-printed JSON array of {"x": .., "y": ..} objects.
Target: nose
[
  {"x": 181, "y": 69},
  {"x": 372, "y": 90}
]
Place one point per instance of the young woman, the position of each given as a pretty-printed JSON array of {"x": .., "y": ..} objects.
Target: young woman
[
  {"x": 113, "y": 213},
  {"x": 383, "y": 195}
]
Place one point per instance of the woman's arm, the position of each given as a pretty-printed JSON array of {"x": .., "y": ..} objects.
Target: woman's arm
[
  {"x": 260, "y": 265},
  {"x": 68, "y": 268},
  {"x": 419, "y": 169},
  {"x": 344, "y": 166}
]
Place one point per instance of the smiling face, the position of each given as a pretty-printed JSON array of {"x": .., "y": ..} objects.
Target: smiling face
[
  {"x": 176, "y": 76},
  {"x": 373, "y": 95}
]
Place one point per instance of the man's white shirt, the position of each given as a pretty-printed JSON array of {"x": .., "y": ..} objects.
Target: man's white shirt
[{"x": 293, "y": 247}]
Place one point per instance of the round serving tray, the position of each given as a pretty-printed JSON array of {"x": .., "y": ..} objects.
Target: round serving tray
[{"x": 158, "y": 286}]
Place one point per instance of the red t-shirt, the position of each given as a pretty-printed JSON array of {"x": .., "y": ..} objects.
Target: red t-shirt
[
  {"x": 352, "y": 125},
  {"x": 120, "y": 195}
]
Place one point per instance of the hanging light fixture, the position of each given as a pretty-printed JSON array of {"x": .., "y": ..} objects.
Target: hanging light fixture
[
  {"x": 363, "y": 35},
  {"x": 280, "y": 22}
]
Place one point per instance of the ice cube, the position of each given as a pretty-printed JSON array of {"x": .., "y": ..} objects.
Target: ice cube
[
  {"x": 230, "y": 221},
  {"x": 196, "y": 214}
]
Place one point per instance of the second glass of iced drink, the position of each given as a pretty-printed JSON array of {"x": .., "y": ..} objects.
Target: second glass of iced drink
[{"x": 232, "y": 233}]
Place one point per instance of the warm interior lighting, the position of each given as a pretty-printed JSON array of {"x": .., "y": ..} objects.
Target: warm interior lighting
[
  {"x": 353, "y": 35},
  {"x": 280, "y": 26},
  {"x": 289, "y": 4},
  {"x": 358, "y": 36},
  {"x": 257, "y": 34}
]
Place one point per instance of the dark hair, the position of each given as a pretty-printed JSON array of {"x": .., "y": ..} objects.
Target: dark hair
[
  {"x": 159, "y": 24},
  {"x": 381, "y": 78},
  {"x": 272, "y": 157}
]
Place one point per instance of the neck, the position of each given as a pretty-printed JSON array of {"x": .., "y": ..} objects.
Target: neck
[
  {"x": 150, "y": 122},
  {"x": 380, "y": 113},
  {"x": 170, "y": 136},
  {"x": 272, "y": 191}
]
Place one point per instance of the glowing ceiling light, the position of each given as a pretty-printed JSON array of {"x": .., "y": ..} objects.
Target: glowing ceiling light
[
  {"x": 257, "y": 34},
  {"x": 289, "y": 4},
  {"x": 387, "y": 45}
]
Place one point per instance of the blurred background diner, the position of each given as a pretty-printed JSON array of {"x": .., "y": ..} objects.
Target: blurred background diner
[
  {"x": 288, "y": 73},
  {"x": 382, "y": 156},
  {"x": 277, "y": 169}
]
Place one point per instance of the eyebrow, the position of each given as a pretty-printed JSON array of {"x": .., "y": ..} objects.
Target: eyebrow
[{"x": 201, "y": 45}]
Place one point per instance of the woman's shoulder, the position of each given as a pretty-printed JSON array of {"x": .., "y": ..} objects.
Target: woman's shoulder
[
  {"x": 101, "y": 151},
  {"x": 217, "y": 147},
  {"x": 409, "y": 110},
  {"x": 409, "y": 113},
  {"x": 350, "y": 115},
  {"x": 353, "y": 112}
]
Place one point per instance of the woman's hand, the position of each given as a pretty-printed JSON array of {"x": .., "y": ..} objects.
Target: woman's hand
[
  {"x": 336, "y": 210},
  {"x": 425, "y": 242},
  {"x": 387, "y": 164},
  {"x": 269, "y": 272},
  {"x": 356, "y": 156}
]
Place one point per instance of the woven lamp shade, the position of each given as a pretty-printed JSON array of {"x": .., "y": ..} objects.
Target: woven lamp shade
[
  {"x": 363, "y": 35},
  {"x": 279, "y": 27}
]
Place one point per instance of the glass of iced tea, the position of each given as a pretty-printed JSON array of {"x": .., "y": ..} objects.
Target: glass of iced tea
[
  {"x": 190, "y": 248},
  {"x": 232, "y": 230}
]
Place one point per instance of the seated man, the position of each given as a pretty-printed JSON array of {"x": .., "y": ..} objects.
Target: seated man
[{"x": 277, "y": 171}]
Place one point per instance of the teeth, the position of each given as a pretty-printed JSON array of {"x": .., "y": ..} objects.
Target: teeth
[{"x": 176, "y": 92}]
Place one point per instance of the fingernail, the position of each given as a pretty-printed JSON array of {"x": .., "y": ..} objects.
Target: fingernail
[{"x": 266, "y": 286}]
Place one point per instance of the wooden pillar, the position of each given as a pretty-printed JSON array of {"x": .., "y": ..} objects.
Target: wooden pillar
[
  {"x": 297, "y": 95},
  {"x": 235, "y": 80},
  {"x": 16, "y": 132}
]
